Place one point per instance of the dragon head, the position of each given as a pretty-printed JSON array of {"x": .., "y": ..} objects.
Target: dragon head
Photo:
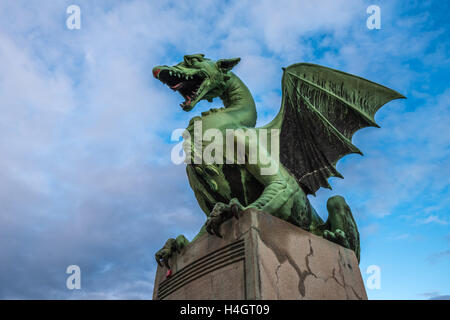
[{"x": 196, "y": 78}]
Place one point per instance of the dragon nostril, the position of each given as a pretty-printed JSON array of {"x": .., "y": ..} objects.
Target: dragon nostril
[{"x": 156, "y": 71}]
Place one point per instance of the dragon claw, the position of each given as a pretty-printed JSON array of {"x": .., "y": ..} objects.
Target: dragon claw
[
  {"x": 235, "y": 210},
  {"x": 220, "y": 213},
  {"x": 171, "y": 246},
  {"x": 216, "y": 218},
  {"x": 162, "y": 257}
]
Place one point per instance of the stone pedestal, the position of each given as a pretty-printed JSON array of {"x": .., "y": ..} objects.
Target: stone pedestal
[{"x": 261, "y": 257}]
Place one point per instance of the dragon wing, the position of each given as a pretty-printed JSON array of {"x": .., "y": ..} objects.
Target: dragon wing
[{"x": 320, "y": 111}]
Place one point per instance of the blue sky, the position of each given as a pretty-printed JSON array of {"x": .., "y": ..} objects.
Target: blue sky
[{"x": 85, "y": 171}]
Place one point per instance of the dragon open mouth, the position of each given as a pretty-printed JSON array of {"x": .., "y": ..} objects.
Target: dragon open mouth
[{"x": 188, "y": 85}]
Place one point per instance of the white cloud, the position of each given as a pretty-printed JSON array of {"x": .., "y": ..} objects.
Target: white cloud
[
  {"x": 85, "y": 171},
  {"x": 370, "y": 230},
  {"x": 432, "y": 219},
  {"x": 438, "y": 257}
]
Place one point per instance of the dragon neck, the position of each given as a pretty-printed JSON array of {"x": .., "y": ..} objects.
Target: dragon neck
[{"x": 238, "y": 102}]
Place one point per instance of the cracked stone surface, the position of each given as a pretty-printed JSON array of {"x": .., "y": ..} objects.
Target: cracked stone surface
[
  {"x": 281, "y": 261},
  {"x": 295, "y": 264}
]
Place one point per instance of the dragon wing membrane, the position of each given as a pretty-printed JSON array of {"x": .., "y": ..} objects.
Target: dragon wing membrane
[{"x": 321, "y": 109}]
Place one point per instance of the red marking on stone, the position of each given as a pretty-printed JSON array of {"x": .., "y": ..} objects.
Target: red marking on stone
[
  {"x": 168, "y": 273},
  {"x": 156, "y": 72}
]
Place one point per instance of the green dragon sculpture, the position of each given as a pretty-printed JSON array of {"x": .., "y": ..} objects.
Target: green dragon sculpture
[{"x": 321, "y": 109}]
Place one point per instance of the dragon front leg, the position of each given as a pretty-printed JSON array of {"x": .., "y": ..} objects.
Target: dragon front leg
[
  {"x": 276, "y": 199},
  {"x": 274, "y": 196}
]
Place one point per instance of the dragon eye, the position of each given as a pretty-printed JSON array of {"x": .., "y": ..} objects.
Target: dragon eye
[{"x": 192, "y": 59}]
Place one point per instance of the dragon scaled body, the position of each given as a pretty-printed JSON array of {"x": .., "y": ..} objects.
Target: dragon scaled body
[{"x": 321, "y": 110}]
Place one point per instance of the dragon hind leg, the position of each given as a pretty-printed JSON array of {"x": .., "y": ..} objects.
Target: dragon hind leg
[{"x": 340, "y": 225}]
